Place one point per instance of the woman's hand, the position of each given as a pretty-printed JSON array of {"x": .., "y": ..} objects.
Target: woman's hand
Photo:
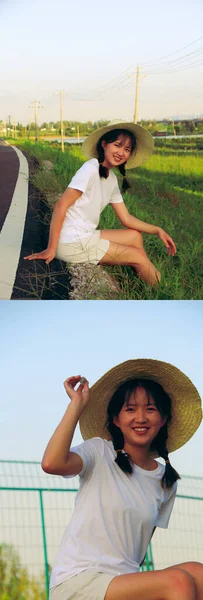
[
  {"x": 48, "y": 255},
  {"x": 79, "y": 396},
  {"x": 167, "y": 241}
]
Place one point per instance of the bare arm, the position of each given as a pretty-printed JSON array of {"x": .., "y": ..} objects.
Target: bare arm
[
  {"x": 132, "y": 222},
  {"x": 57, "y": 458},
  {"x": 67, "y": 199}
]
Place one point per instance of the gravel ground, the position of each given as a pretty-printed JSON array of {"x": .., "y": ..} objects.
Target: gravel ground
[{"x": 92, "y": 282}]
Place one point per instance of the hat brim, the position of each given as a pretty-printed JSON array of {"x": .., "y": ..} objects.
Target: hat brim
[
  {"x": 144, "y": 143},
  {"x": 186, "y": 402}
]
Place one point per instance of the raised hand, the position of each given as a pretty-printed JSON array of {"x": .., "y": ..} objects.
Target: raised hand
[{"x": 81, "y": 394}]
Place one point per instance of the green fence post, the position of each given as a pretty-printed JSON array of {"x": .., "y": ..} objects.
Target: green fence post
[
  {"x": 46, "y": 564},
  {"x": 151, "y": 557},
  {"x": 148, "y": 564}
]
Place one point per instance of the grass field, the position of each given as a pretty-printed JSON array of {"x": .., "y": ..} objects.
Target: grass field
[{"x": 166, "y": 191}]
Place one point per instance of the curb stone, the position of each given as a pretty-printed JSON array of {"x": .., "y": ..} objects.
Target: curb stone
[{"x": 92, "y": 282}]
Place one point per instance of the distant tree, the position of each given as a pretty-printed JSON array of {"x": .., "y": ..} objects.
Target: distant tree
[
  {"x": 190, "y": 126},
  {"x": 100, "y": 123},
  {"x": 15, "y": 583},
  {"x": 178, "y": 129},
  {"x": 31, "y": 126}
]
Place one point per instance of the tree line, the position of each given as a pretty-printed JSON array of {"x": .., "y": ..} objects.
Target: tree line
[{"x": 15, "y": 581}]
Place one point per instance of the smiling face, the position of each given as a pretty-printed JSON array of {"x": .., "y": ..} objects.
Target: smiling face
[
  {"x": 139, "y": 420},
  {"x": 118, "y": 152}
]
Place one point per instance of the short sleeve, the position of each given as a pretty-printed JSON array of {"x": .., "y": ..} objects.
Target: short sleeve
[
  {"x": 91, "y": 452},
  {"x": 166, "y": 507},
  {"x": 116, "y": 195},
  {"x": 83, "y": 176}
]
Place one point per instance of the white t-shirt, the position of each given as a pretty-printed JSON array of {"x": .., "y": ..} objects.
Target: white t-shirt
[
  {"x": 114, "y": 515},
  {"x": 83, "y": 216}
]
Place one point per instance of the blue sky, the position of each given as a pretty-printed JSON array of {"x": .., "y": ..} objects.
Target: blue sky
[
  {"x": 43, "y": 343},
  {"x": 79, "y": 47}
]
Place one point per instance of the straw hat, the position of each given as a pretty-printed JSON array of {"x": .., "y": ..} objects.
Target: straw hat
[
  {"x": 144, "y": 142},
  {"x": 186, "y": 402}
]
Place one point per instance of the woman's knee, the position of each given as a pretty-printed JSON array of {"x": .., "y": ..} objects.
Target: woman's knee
[
  {"x": 195, "y": 569},
  {"x": 139, "y": 238},
  {"x": 135, "y": 238},
  {"x": 181, "y": 582}
]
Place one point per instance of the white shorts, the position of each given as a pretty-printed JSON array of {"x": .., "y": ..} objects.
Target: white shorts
[
  {"x": 88, "y": 585},
  {"x": 89, "y": 249}
]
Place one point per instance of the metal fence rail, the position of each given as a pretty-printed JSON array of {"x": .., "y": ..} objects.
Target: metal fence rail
[{"x": 35, "y": 509}]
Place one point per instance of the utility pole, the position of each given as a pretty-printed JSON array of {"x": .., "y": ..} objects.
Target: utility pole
[
  {"x": 9, "y": 125},
  {"x": 136, "y": 94},
  {"x": 138, "y": 79},
  {"x": 36, "y": 105},
  {"x": 61, "y": 119},
  {"x": 14, "y": 128}
]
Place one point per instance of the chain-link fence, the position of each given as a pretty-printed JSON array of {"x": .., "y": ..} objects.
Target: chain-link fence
[{"x": 35, "y": 509}]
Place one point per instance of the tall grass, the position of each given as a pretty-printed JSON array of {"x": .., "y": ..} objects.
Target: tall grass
[{"x": 166, "y": 191}]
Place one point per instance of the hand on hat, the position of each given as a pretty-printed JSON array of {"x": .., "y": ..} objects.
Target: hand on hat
[
  {"x": 81, "y": 394},
  {"x": 167, "y": 241}
]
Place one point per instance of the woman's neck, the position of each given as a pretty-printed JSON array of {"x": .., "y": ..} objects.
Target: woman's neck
[{"x": 141, "y": 457}]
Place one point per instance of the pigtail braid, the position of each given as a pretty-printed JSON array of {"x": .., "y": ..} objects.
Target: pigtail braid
[
  {"x": 103, "y": 171},
  {"x": 159, "y": 444},
  {"x": 125, "y": 185},
  {"x": 122, "y": 459},
  {"x": 170, "y": 475}
]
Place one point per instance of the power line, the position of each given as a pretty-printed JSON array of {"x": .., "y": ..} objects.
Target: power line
[
  {"x": 183, "y": 68},
  {"x": 169, "y": 64},
  {"x": 175, "y": 51},
  {"x": 121, "y": 82},
  {"x": 114, "y": 83}
]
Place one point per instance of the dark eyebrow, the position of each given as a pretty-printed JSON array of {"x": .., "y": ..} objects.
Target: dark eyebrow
[{"x": 150, "y": 402}]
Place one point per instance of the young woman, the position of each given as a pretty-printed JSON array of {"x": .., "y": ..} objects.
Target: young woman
[
  {"x": 137, "y": 411},
  {"x": 74, "y": 237}
]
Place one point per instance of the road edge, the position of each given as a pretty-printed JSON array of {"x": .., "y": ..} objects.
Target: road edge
[{"x": 12, "y": 231}]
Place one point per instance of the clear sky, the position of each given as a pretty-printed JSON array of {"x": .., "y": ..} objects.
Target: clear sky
[
  {"x": 91, "y": 51},
  {"x": 43, "y": 343}
]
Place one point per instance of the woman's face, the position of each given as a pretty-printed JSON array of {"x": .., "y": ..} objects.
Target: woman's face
[
  {"x": 118, "y": 152},
  {"x": 139, "y": 420}
]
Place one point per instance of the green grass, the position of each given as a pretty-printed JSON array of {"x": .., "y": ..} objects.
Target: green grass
[{"x": 166, "y": 191}]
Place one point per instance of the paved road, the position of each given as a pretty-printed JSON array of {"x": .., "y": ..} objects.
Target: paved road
[
  {"x": 9, "y": 167},
  {"x": 24, "y": 217}
]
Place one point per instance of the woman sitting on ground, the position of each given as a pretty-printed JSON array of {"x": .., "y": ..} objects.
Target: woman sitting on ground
[{"x": 74, "y": 237}]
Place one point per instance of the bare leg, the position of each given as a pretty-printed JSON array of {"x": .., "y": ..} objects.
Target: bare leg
[
  {"x": 120, "y": 254},
  {"x": 195, "y": 569},
  {"x": 126, "y": 237},
  {"x": 168, "y": 584}
]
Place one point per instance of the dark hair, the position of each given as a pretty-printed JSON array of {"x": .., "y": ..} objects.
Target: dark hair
[
  {"x": 112, "y": 136},
  {"x": 163, "y": 404}
]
